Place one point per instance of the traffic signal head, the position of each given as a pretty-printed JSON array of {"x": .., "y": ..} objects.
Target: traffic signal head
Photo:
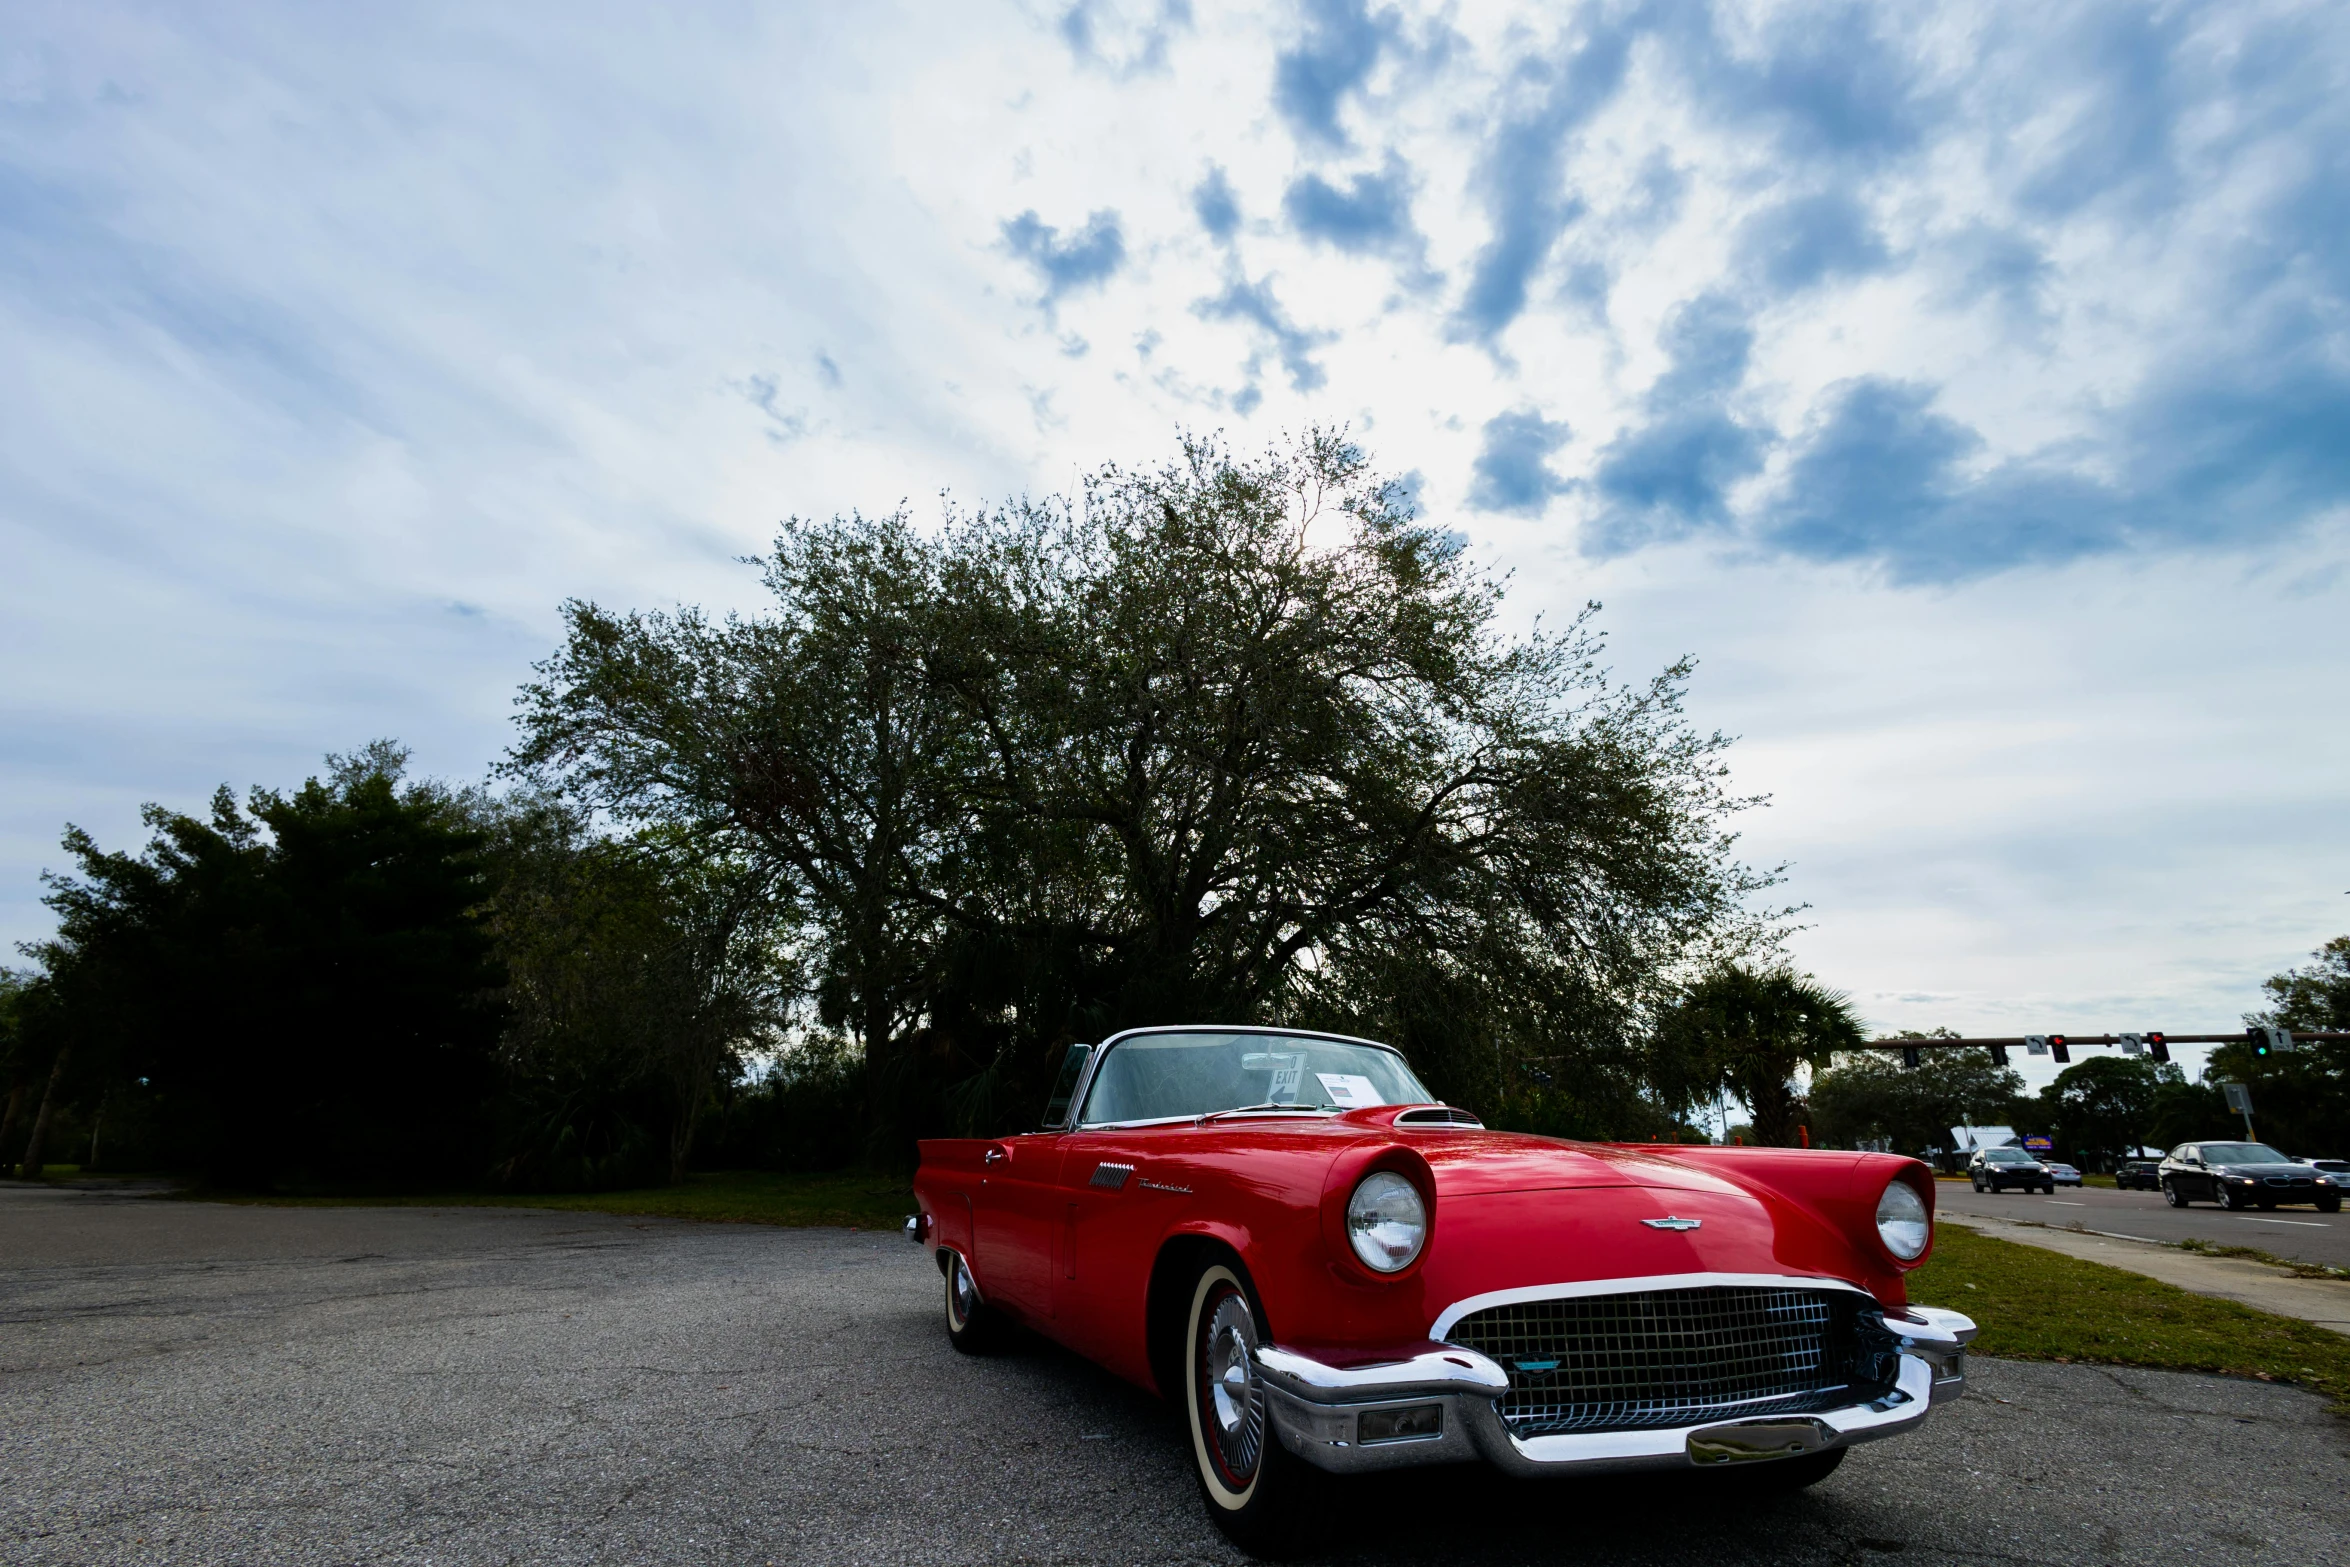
[
  {"x": 1999, "y": 1055},
  {"x": 2257, "y": 1038},
  {"x": 2158, "y": 1045},
  {"x": 2056, "y": 1048},
  {"x": 1909, "y": 1057}
]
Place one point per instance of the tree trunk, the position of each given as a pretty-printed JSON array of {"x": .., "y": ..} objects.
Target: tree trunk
[
  {"x": 36, "y": 1149},
  {"x": 97, "y": 1118},
  {"x": 1773, "y": 1105},
  {"x": 681, "y": 1137},
  {"x": 8, "y": 1118}
]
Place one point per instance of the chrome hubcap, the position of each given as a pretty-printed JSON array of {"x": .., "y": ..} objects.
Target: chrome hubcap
[
  {"x": 1233, "y": 1397},
  {"x": 966, "y": 1292}
]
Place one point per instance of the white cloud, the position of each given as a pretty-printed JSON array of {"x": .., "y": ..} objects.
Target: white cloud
[{"x": 337, "y": 347}]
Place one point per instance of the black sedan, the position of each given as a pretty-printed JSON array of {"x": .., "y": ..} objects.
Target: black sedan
[
  {"x": 2245, "y": 1175},
  {"x": 1996, "y": 1169},
  {"x": 2139, "y": 1175}
]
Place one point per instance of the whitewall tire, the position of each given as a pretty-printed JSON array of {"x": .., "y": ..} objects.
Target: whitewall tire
[{"x": 1253, "y": 1487}]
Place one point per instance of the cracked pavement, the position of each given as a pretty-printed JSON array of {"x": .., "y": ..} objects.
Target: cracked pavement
[{"x": 198, "y": 1383}]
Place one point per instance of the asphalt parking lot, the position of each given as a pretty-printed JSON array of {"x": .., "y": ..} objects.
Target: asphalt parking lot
[
  {"x": 2301, "y": 1233},
  {"x": 185, "y": 1382}
]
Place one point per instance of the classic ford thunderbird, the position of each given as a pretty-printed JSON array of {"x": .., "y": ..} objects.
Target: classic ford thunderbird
[{"x": 1287, "y": 1236}]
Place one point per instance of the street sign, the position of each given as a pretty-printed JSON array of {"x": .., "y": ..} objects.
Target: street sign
[
  {"x": 2239, "y": 1097},
  {"x": 2036, "y": 1044},
  {"x": 2132, "y": 1044}
]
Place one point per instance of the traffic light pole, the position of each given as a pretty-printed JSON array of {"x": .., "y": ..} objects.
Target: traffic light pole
[
  {"x": 2020, "y": 1041},
  {"x": 2263, "y": 1040}
]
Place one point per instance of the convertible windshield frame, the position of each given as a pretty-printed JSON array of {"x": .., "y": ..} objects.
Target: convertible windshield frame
[{"x": 1083, "y": 1098}]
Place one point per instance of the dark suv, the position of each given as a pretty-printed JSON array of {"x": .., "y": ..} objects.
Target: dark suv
[
  {"x": 2245, "y": 1175},
  {"x": 1996, "y": 1169}
]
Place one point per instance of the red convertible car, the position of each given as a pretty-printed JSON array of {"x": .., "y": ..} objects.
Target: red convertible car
[{"x": 1285, "y": 1234}]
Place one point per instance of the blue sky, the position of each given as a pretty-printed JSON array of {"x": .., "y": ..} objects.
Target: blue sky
[{"x": 1966, "y": 388}]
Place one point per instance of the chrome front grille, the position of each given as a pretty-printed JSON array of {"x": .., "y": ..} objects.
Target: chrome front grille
[
  {"x": 1682, "y": 1357},
  {"x": 2289, "y": 1180}
]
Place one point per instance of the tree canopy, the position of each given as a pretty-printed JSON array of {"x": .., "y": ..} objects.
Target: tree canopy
[
  {"x": 1747, "y": 1031},
  {"x": 298, "y": 982},
  {"x": 1231, "y": 738},
  {"x": 1870, "y": 1095}
]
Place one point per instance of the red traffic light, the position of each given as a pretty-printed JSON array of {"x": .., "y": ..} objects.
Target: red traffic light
[
  {"x": 2056, "y": 1048},
  {"x": 2158, "y": 1045}
]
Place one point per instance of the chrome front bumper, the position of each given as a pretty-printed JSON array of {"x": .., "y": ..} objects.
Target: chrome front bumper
[{"x": 1317, "y": 1410}]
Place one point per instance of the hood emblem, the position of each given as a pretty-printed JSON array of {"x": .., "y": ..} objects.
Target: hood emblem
[{"x": 1668, "y": 1222}]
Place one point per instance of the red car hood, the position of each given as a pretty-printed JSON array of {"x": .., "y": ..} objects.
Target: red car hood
[
  {"x": 1518, "y": 1211},
  {"x": 1469, "y": 1163}
]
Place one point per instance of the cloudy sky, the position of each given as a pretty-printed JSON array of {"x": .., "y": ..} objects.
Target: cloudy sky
[{"x": 1966, "y": 388}]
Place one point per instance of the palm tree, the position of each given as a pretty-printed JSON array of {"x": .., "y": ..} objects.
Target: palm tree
[{"x": 1746, "y": 1031}]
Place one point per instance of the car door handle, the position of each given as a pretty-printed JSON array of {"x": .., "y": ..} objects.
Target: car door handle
[{"x": 995, "y": 1156}]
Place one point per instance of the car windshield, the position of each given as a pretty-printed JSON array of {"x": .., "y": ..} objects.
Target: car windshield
[
  {"x": 2008, "y": 1156},
  {"x": 1155, "y": 1077},
  {"x": 2242, "y": 1153}
]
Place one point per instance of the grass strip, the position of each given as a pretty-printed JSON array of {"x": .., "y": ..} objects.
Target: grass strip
[
  {"x": 852, "y": 1200},
  {"x": 2034, "y": 1304},
  {"x": 2293, "y": 1265}
]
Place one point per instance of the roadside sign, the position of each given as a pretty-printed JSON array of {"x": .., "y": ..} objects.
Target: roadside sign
[
  {"x": 2132, "y": 1044},
  {"x": 2239, "y": 1097},
  {"x": 2038, "y": 1144},
  {"x": 2036, "y": 1044}
]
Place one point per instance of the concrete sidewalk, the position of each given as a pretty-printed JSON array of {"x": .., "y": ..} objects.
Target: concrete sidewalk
[{"x": 2325, "y": 1302}]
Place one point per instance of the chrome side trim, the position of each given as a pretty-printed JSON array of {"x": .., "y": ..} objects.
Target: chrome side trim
[
  {"x": 1445, "y": 1369},
  {"x": 1453, "y": 1313}
]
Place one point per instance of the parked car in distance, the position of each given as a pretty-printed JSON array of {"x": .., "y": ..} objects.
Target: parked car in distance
[
  {"x": 2138, "y": 1175},
  {"x": 2245, "y": 1175},
  {"x": 2062, "y": 1174},
  {"x": 1323, "y": 1268},
  {"x": 1996, "y": 1169}
]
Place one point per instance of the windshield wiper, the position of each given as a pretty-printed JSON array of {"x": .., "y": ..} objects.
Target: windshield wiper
[{"x": 1205, "y": 1116}]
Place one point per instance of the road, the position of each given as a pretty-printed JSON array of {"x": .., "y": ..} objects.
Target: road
[
  {"x": 194, "y": 1383},
  {"x": 2300, "y": 1233}
]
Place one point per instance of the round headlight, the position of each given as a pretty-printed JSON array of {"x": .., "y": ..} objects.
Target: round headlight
[
  {"x": 1901, "y": 1220},
  {"x": 1386, "y": 1221}
]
